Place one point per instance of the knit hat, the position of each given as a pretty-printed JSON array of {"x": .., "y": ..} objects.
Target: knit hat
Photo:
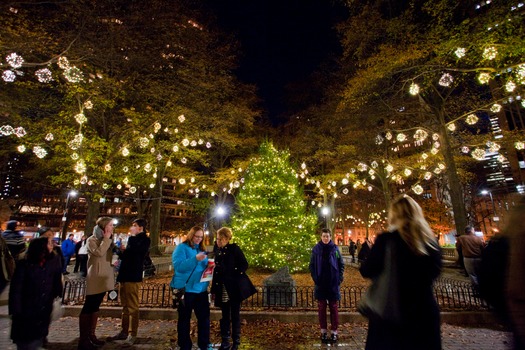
[{"x": 11, "y": 225}]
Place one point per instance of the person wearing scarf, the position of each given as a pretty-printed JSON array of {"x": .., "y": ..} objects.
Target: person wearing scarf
[{"x": 327, "y": 270}]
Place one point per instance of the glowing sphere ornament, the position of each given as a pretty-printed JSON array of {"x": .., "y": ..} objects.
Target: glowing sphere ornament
[
  {"x": 44, "y": 75},
  {"x": 484, "y": 78},
  {"x": 471, "y": 119},
  {"x": 446, "y": 80},
  {"x": 413, "y": 89},
  {"x": 490, "y": 53}
]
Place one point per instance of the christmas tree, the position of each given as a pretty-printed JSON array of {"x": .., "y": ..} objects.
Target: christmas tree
[{"x": 272, "y": 223}]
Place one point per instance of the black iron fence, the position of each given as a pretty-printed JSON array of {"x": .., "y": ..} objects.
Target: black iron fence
[{"x": 450, "y": 294}]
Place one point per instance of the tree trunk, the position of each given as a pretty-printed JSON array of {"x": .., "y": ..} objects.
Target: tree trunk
[
  {"x": 92, "y": 214},
  {"x": 156, "y": 204}
]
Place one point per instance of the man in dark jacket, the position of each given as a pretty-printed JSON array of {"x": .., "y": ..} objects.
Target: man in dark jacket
[
  {"x": 130, "y": 277},
  {"x": 14, "y": 240}
]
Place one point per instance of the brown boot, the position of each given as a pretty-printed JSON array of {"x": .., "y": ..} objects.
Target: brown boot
[
  {"x": 92, "y": 335},
  {"x": 84, "y": 325}
]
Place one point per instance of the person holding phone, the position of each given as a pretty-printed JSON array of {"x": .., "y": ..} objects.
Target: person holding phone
[{"x": 100, "y": 279}]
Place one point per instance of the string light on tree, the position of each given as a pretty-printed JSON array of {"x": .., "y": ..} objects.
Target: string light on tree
[{"x": 446, "y": 80}]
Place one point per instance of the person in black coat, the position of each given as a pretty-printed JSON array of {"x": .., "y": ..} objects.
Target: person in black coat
[
  {"x": 327, "y": 270},
  {"x": 418, "y": 262},
  {"x": 35, "y": 285},
  {"x": 130, "y": 277},
  {"x": 230, "y": 263}
]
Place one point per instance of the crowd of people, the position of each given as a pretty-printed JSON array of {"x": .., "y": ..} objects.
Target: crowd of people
[{"x": 403, "y": 262}]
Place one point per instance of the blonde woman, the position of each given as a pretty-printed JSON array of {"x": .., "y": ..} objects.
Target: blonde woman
[{"x": 418, "y": 262}]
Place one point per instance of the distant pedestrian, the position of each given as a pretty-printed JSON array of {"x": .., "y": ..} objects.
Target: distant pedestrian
[
  {"x": 130, "y": 278},
  {"x": 100, "y": 279},
  {"x": 366, "y": 247},
  {"x": 189, "y": 262},
  {"x": 416, "y": 257},
  {"x": 81, "y": 254},
  {"x": 230, "y": 264},
  {"x": 68, "y": 250},
  {"x": 14, "y": 240},
  {"x": 7, "y": 264},
  {"x": 327, "y": 271},
  {"x": 35, "y": 285},
  {"x": 352, "y": 250},
  {"x": 471, "y": 246}
]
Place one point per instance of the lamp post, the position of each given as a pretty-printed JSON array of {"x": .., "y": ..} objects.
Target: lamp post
[
  {"x": 325, "y": 211},
  {"x": 495, "y": 218},
  {"x": 65, "y": 217}
]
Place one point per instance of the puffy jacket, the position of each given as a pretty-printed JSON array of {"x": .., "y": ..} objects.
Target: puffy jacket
[{"x": 184, "y": 262}]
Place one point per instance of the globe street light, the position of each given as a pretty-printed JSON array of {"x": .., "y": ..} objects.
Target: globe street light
[
  {"x": 325, "y": 211},
  {"x": 66, "y": 217}
]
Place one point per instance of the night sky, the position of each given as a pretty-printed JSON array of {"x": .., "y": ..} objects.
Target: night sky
[{"x": 282, "y": 41}]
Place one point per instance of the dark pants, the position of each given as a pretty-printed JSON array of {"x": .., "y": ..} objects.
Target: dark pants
[
  {"x": 67, "y": 258},
  {"x": 197, "y": 302},
  {"x": 92, "y": 303},
  {"x": 334, "y": 314},
  {"x": 231, "y": 313}
]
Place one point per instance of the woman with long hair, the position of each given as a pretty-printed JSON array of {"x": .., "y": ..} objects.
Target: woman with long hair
[
  {"x": 100, "y": 279},
  {"x": 35, "y": 285},
  {"x": 417, "y": 260},
  {"x": 189, "y": 262}
]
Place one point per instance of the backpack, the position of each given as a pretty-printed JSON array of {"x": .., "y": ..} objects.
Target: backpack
[
  {"x": 493, "y": 273},
  {"x": 7, "y": 262}
]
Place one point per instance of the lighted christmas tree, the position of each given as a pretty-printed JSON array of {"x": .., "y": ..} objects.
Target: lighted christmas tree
[{"x": 272, "y": 223}]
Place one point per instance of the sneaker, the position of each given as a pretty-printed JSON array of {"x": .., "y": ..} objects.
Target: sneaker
[
  {"x": 130, "y": 340},
  {"x": 333, "y": 338},
  {"x": 324, "y": 338},
  {"x": 120, "y": 336}
]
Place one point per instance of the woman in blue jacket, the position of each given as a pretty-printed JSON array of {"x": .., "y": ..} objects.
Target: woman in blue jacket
[{"x": 189, "y": 261}]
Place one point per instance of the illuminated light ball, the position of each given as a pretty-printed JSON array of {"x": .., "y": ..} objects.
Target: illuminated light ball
[
  {"x": 105, "y": 186},
  {"x": 76, "y": 182},
  {"x": 501, "y": 158},
  {"x": 73, "y": 75},
  {"x": 460, "y": 52},
  {"x": 9, "y": 76},
  {"x": 370, "y": 188},
  {"x": 80, "y": 118},
  {"x": 21, "y": 148},
  {"x": 125, "y": 181},
  {"x": 166, "y": 129},
  {"x": 185, "y": 142},
  {"x": 435, "y": 136},
  {"x": 344, "y": 181},
  {"x": 465, "y": 149},
  {"x": 345, "y": 191},
  {"x": 154, "y": 175},
  {"x": 143, "y": 142},
  {"x": 434, "y": 151},
  {"x": 472, "y": 119},
  {"x": 6, "y": 130},
  {"x": 192, "y": 180},
  {"x": 80, "y": 167},
  {"x": 389, "y": 168},
  {"x": 371, "y": 172},
  {"x": 159, "y": 156},
  {"x": 388, "y": 135},
  {"x": 232, "y": 172},
  {"x": 49, "y": 137},
  {"x": 478, "y": 154},
  {"x": 156, "y": 127},
  {"x": 239, "y": 170},
  {"x": 362, "y": 167},
  {"x": 496, "y": 108},
  {"x": 335, "y": 195},
  {"x": 175, "y": 148},
  {"x": 44, "y": 75},
  {"x": 83, "y": 180},
  {"x": 182, "y": 181},
  {"x": 484, "y": 78},
  {"x": 437, "y": 171},
  {"x": 441, "y": 166},
  {"x": 20, "y": 132},
  {"x": 451, "y": 127},
  {"x": 446, "y": 80},
  {"x": 125, "y": 169},
  {"x": 176, "y": 130},
  {"x": 152, "y": 150},
  {"x": 413, "y": 89},
  {"x": 428, "y": 175},
  {"x": 88, "y": 104},
  {"x": 14, "y": 60},
  {"x": 420, "y": 135},
  {"x": 424, "y": 155},
  {"x": 510, "y": 86},
  {"x": 193, "y": 143},
  {"x": 490, "y": 53},
  {"x": 119, "y": 186},
  {"x": 401, "y": 137},
  {"x": 183, "y": 160},
  {"x": 39, "y": 152},
  {"x": 374, "y": 164},
  {"x": 125, "y": 151},
  {"x": 437, "y": 144},
  {"x": 520, "y": 145},
  {"x": 74, "y": 156},
  {"x": 334, "y": 183},
  {"x": 90, "y": 183},
  {"x": 407, "y": 172},
  {"x": 212, "y": 194},
  {"x": 523, "y": 103},
  {"x": 63, "y": 62},
  {"x": 151, "y": 136},
  {"x": 303, "y": 166},
  {"x": 182, "y": 118},
  {"x": 200, "y": 142},
  {"x": 417, "y": 189},
  {"x": 379, "y": 139},
  {"x": 147, "y": 167}
]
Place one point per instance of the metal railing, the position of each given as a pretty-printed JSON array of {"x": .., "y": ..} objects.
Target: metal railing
[{"x": 451, "y": 295}]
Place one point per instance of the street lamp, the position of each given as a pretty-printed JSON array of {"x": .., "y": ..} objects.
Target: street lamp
[
  {"x": 325, "y": 211},
  {"x": 485, "y": 192},
  {"x": 65, "y": 217}
]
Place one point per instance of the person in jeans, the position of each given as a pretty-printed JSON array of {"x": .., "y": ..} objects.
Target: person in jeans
[
  {"x": 327, "y": 270},
  {"x": 68, "y": 250},
  {"x": 471, "y": 246},
  {"x": 189, "y": 262},
  {"x": 130, "y": 277}
]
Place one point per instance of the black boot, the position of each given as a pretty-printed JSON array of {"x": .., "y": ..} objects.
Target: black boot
[
  {"x": 225, "y": 335},
  {"x": 84, "y": 323},
  {"x": 92, "y": 336}
]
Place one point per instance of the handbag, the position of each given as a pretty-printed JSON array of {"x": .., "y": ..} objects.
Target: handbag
[
  {"x": 246, "y": 287},
  {"x": 381, "y": 300},
  {"x": 58, "y": 309},
  {"x": 177, "y": 294}
]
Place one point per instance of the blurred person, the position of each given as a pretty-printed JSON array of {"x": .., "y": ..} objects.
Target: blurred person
[
  {"x": 471, "y": 246},
  {"x": 418, "y": 261},
  {"x": 68, "y": 250},
  {"x": 14, "y": 240},
  {"x": 100, "y": 279},
  {"x": 352, "y": 247},
  {"x": 230, "y": 263},
  {"x": 81, "y": 256},
  {"x": 130, "y": 277},
  {"x": 35, "y": 285},
  {"x": 366, "y": 247},
  {"x": 327, "y": 270},
  {"x": 189, "y": 262},
  {"x": 7, "y": 263}
]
